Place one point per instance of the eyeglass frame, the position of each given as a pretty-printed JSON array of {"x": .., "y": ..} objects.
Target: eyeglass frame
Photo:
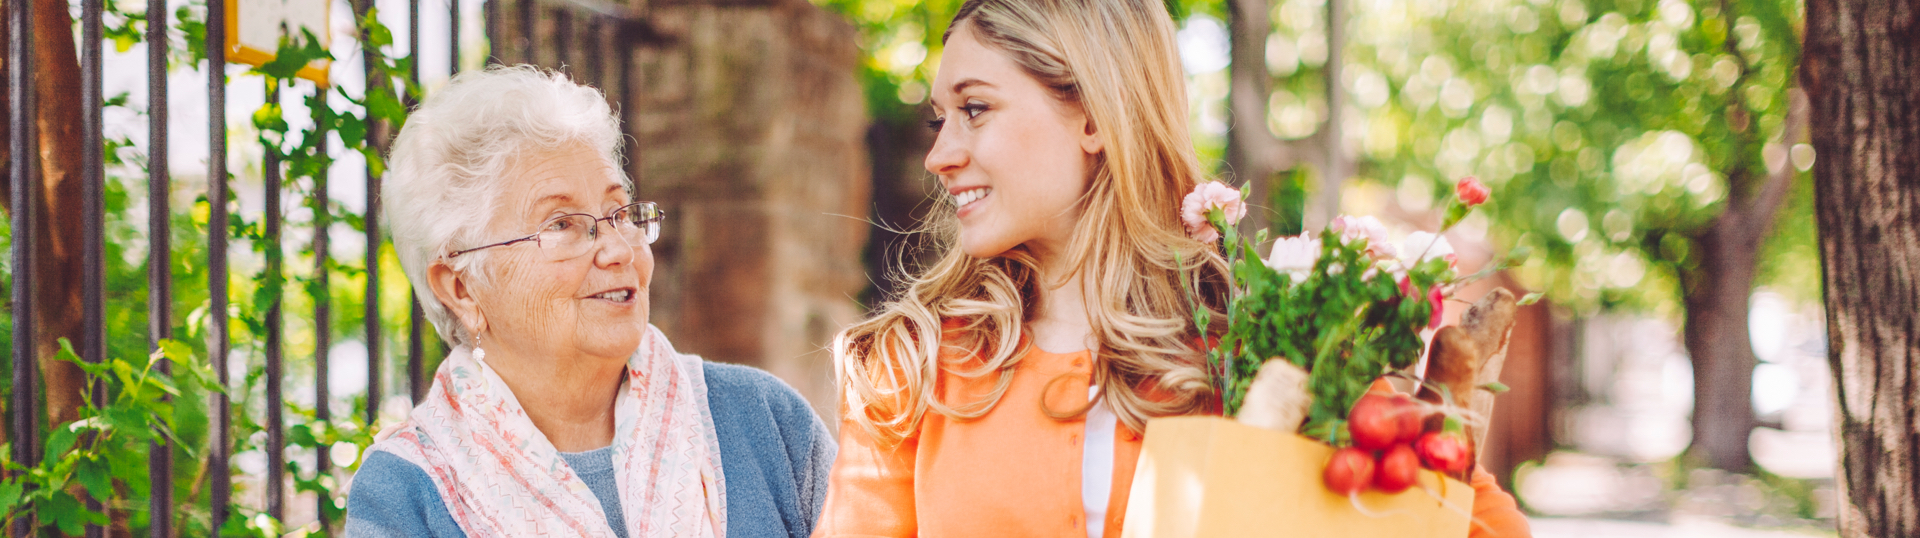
[{"x": 659, "y": 215}]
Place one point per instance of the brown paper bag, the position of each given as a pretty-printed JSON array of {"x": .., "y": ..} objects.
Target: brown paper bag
[{"x": 1210, "y": 476}]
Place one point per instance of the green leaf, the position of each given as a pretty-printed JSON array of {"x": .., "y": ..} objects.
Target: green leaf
[
  {"x": 124, "y": 42},
  {"x": 382, "y": 104},
  {"x": 10, "y": 495},
  {"x": 377, "y": 34},
  {"x": 176, "y": 351},
  {"x": 60, "y": 441},
  {"x": 1531, "y": 298},
  {"x": 96, "y": 476},
  {"x": 1495, "y": 387},
  {"x": 1455, "y": 212}
]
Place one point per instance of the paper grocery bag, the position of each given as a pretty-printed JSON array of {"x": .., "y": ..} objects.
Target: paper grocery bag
[{"x": 1210, "y": 476}]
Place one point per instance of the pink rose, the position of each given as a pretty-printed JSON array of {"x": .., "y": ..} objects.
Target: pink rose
[
  {"x": 1471, "y": 191},
  {"x": 1205, "y": 197}
]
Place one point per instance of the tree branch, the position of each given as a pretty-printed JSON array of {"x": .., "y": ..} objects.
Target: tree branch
[{"x": 1759, "y": 216}]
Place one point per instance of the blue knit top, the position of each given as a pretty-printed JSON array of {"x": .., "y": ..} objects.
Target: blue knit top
[{"x": 774, "y": 451}]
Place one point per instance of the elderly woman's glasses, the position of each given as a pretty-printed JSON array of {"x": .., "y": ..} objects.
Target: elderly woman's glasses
[{"x": 569, "y": 236}]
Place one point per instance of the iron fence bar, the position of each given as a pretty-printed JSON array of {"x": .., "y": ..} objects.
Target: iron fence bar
[
  {"x": 563, "y": 42},
  {"x": 416, "y": 346},
  {"x": 322, "y": 302},
  {"x": 276, "y": 435},
  {"x": 526, "y": 39},
  {"x": 413, "y": 44},
  {"x": 218, "y": 344},
  {"x": 453, "y": 36},
  {"x": 159, "y": 256},
  {"x": 376, "y": 348},
  {"x": 490, "y": 27},
  {"x": 92, "y": 186},
  {"x": 593, "y": 67},
  {"x": 20, "y": 138},
  {"x": 621, "y": 97}
]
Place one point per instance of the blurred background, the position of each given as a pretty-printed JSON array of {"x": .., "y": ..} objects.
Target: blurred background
[{"x": 1647, "y": 161}]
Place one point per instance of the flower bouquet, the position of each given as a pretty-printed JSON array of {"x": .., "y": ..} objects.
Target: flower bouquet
[{"x": 1320, "y": 444}]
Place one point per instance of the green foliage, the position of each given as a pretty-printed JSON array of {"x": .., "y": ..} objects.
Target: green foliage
[
  {"x": 1355, "y": 316},
  {"x": 900, "y": 47},
  {"x": 1612, "y": 131},
  {"x": 108, "y": 446},
  {"x": 105, "y": 452}
]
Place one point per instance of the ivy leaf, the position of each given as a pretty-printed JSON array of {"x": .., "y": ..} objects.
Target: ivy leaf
[
  {"x": 376, "y": 163},
  {"x": 94, "y": 475},
  {"x": 60, "y": 441},
  {"x": 195, "y": 29},
  {"x": 10, "y": 495},
  {"x": 352, "y": 129},
  {"x": 382, "y": 104},
  {"x": 67, "y": 513},
  {"x": 378, "y": 36}
]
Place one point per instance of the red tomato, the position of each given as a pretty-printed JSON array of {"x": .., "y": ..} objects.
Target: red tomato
[
  {"x": 1378, "y": 421},
  {"x": 1398, "y": 469},
  {"x": 1444, "y": 452},
  {"x": 1348, "y": 471}
]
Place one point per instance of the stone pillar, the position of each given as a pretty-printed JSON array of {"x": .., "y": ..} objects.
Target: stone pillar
[{"x": 750, "y": 122}]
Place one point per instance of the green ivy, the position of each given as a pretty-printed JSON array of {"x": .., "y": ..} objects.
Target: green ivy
[{"x": 106, "y": 450}]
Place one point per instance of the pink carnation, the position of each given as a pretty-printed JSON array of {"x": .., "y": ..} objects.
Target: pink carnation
[
  {"x": 1433, "y": 296},
  {"x": 1205, "y": 197},
  {"x": 1439, "y": 303},
  {"x": 1352, "y": 228},
  {"x": 1471, "y": 191}
]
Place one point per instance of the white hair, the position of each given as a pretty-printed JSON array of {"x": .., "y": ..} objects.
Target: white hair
[{"x": 448, "y": 165}]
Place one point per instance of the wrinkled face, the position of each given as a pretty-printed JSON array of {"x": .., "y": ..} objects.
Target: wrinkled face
[
  {"x": 1015, "y": 159},
  {"x": 595, "y": 303}
]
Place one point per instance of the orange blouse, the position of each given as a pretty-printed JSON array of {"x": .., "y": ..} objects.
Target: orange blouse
[{"x": 1014, "y": 471}]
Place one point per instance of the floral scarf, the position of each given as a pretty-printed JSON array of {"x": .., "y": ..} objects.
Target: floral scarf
[{"x": 500, "y": 477}]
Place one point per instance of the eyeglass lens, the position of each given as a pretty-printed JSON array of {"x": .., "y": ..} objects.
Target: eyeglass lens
[{"x": 570, "y": 236}]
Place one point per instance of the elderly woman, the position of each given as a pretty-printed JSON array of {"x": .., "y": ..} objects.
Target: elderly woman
[{"x": 560, "y": 411}]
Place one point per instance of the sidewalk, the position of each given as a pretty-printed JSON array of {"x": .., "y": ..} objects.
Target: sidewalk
[{"x": 1545, "y": 527}]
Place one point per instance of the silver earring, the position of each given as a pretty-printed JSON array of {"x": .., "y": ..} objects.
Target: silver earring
[{"x": 479, "y": 353}]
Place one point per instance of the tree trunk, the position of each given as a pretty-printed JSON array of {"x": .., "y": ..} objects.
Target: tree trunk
[
  {"x": 1323, "y": 199},
  {"x": 57, "y": 218},
  {"x": 1717, "y": 295},
  {"x": 1717, "y": 303},
  {"x": 1861, "y": 65},
  {"x": 1253, "y": 153}
]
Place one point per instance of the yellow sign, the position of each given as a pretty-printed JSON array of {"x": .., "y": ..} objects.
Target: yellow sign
[{"x": 254, "y": 28}]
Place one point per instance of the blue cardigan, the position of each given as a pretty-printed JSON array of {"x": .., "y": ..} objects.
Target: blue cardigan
[{"x": 774, "y": 451}]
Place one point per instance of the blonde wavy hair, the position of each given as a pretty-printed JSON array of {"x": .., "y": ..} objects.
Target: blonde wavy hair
[{"x": 1117, "y": 60}]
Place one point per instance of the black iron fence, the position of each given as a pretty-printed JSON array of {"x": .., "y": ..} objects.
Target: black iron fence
[{"x": 577, "y": 34}]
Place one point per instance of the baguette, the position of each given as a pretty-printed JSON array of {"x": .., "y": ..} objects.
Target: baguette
[{"x": 1464, "y": 357}]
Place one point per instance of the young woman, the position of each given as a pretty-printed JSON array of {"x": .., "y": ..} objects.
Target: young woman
[{"x": 1004, "y": 393}]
